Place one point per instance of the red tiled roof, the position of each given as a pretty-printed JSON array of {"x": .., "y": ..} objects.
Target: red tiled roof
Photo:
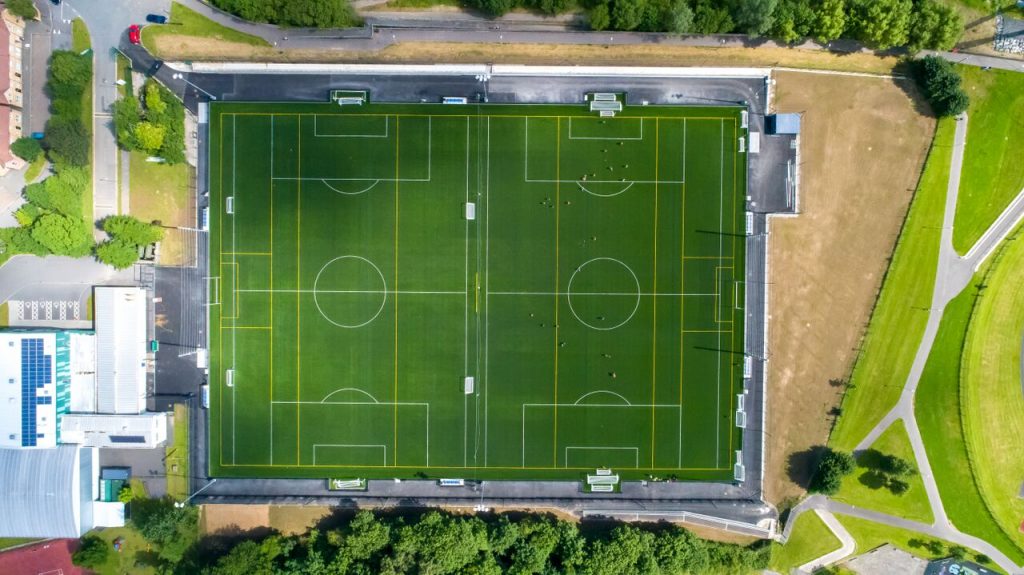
[{"x": 53, "y": 556}]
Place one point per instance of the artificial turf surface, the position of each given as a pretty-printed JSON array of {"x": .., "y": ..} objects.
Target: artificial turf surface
[{"x": 596, "y": 298}]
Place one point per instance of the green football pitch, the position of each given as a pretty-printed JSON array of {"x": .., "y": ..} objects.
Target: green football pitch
[{"x": 367, "y": 261}]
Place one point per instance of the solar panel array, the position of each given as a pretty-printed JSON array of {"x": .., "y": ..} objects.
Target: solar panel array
[{"x": 36, "y": 371}]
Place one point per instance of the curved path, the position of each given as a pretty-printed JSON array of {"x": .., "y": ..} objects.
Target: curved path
[{"x": 953, "y": 275}]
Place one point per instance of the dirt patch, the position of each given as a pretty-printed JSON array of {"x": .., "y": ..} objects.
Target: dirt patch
[
  {"x": 216, "y": 518},
  {"x": 170, "y": 47},
  {"x": 297, "y": 519},
  {"x": 862, "y": 148}
]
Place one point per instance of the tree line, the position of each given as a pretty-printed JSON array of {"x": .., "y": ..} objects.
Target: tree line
[
  {"x": 436, "y": 543},
  {"x": 302, "y": 13},
  {"x": 52, "y": 219}
]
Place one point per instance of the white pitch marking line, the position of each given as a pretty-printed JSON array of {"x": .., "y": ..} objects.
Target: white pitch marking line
[
  {"x": 632, "y": 138},
  {"x": 317, "y": 133},
  {"x": 399, "y": 292},
  {"x": 465, "y": 339}
]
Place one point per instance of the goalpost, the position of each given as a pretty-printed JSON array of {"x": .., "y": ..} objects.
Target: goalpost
[{"x": 349, "y": 97}]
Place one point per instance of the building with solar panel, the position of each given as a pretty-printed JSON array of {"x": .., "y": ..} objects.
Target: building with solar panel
[{"x": 86, "y": 387}]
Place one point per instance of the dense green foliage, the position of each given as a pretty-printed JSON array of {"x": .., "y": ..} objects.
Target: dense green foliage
[
  {"x": 66, "y": 136},
  {"x": 27, "y": 149},
  {"x": 882, "y": 24},
  {"x": 440, "y": 543},
  {"x": 941, "y": 86},
  {"x": 92, "y": 552},
  {"x": 155, "y": 126},
  {"x": 304, "y": 13},
  {"x": 22, "y": 8},
  {"x": 127, "y": 235},
  {"x": 52, "y": 220},
  {"x": 834, "y": 465}
]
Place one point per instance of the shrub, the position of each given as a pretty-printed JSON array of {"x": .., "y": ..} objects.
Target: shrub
[
  {"x": 22, "y": 8},
  {"x": 60, "y": 193},
  {"x": 834, "y": 465},
  {"x": 27, "y": 149},
  {"x": 92, "y": 552},
  {"x": 68, "y": 141},
  {"x": 119, "y": 254},
  {"x": 940, "y": 84},
  {"x": 132, "y": 231},
  {"x": 62, "y": 235}
]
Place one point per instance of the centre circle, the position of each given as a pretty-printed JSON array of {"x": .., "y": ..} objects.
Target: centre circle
[
  {"x": 350, "y": 291},
  {"x": 603, "y": 293}
]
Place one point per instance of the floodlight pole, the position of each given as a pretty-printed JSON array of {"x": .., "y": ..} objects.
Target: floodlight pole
[{"x": 203, "y": 488}]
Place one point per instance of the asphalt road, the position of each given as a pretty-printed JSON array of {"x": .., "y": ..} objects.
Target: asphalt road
[{"x": 58, "y": 277}]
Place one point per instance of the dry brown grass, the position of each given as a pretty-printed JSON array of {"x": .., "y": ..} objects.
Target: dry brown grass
[
  {"x": 862, "y": 148},
  {"x": 208, "y": 49},
  {"x": 214, "y": 518}
]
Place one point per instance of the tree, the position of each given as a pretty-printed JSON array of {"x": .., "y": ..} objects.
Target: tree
[
  {"x": 626, "y": 14},
  {"x": 132, "y": 231},
  {"x": 934, "y": 26},
  {"x": 155, "y": 104},
  {"x": 834, "y": 465},
  {"x": 313, "y": 13},
  {"x": 60, "y": 193},
  {"x": 117, "y": 253},
  {"x": 711, "y": 18},
  {"x": 958, "y": 552},
  {"x": 754, "y": 17},
  {"x": 896, "y": 466},
  {"x": 68, "y": 141},
  {"x": 69, "y": 74},
  {"x": 62, "y": 235},
  {"x": 126, "y": 116},
  {"x": 27, "y": 149},
  {"x": 171, "y": 528},
  {"x": 941, "y": 86},
  {"x": 678, "y": 17},
  {"x": 831, "y": 20},
  {"x": 150, "y": 137},
  {"x": 92, "y": 552},
  {"x": 553, "y": 6},
  {"x": 494, "y": 7},
  {"x": 22, "y": 8},
  {"x": 882, "y": 24},
  {"x": 600, "y": 19}
]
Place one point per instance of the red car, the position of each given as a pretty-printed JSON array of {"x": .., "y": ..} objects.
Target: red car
[{"x": 133, "y": 33}]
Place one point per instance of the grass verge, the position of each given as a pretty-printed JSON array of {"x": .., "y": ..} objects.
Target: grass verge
[
  {"x": 4, "y": 314},
  {"x": 187, "y": 22},
  {"x": 124, "y": 72},
  {"x": 937, "y": 408},
  {"x": 159, "y": 192},
  {"x": 8, "y": 542},
  {"x": 990, "y": 393},
  {"x": 810, "y": 538},
  {"x": 177, "y": 455},
  {"x": 865, "y": 487},
  {"x": 870, "y": 535},
  {"x": 901, "y": 312},
  {"x": 993, "y": 173},
  {"x": 80, "y": 41},
  {"x": 35, "y": 168}
]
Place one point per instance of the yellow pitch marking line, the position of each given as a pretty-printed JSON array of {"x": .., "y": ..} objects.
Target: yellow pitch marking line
[
  {"x": 558, "y": 204},
  {"x": 397, "y": 164},
  {"x": 298, "y": 297}
]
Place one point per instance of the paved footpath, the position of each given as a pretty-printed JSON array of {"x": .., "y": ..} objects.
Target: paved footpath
[{"x": 953, "y": 274}]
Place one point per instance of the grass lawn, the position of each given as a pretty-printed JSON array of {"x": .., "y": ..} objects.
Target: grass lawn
[
  {"x": 8, "y": 542},
  {"x": 810, "y": 538},
  {"x": 35, "y": 168},
  {"x": 993, "y": 173},
  {"x": 124, "y": 72},
  {"x": 863, "y": 488},
  {"x": 990, "y": 394},
  {"x": 187, "y": 22},
  {"x": 159, "y": 192},
  {"x": 80, "y": 41},
  {"x": 901, "y": 312},
  {"x": 592, "y": 297},
  {"x": 870, "y": 535},
  {"x": 133, "y": 555},
  {"x": 177, "y": 455},
  {"x": 937, "y": 407}
]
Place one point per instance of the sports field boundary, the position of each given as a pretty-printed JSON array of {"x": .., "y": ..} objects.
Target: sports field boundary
[{"x": 473, "y": 70}]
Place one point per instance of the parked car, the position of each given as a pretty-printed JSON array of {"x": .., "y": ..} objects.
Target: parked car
[
  {"x": 133, "y": 33},
  {"x": 156, "y": 18},
  {"x": 157, "y": 64}
]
